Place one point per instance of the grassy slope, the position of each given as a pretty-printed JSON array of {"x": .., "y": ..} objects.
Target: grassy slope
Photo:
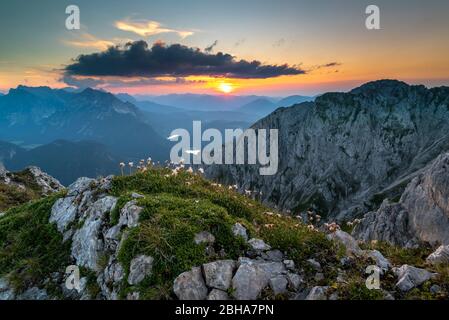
[
  {"x": 175, "y": 209},
  {"x": 178, "y": 207},
  {"x": 11, "y": 195}
]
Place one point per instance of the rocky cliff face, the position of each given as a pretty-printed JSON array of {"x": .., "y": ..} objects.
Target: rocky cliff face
[
  {"x": 346, "y": 152},
  {"x": 421, "y": 215}
]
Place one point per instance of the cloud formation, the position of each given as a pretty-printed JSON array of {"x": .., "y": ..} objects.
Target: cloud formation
[
  {"x": 136, "y": 59},
  {"x": 87, "y": 40},
  {"x": 210, "y": 48},
  {"x": 115, "y": 82},
  {"x": 148, "y": 28},
  {"x": 329, "y": 65}
]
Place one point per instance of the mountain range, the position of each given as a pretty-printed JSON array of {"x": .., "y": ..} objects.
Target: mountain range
[
  {"x": 70, "y": 133},
  {"x": 42, "y": 115},
  {"x": 344, "y": 153}
]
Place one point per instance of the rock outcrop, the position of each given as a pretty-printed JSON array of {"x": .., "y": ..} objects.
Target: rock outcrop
[
  {"x": 440, "y": 256},
  {"x": 411, "y": 277},
  {"x": 421, "y": 215}
]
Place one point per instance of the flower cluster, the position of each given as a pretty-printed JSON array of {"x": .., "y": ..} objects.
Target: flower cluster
[
  {"x": 143, "y": 166},
  {"x": 353, "y": 223},
  {"x": 332, "y": 227}
]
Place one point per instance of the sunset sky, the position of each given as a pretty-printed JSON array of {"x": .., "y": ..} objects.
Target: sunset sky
[{"x": 303, "y": 47}]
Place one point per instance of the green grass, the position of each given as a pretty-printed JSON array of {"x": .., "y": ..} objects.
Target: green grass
[
  {"x": 30, "y": 247},
  {"x": 178, "y": 207},
  {"x": 399, "y": 256}
]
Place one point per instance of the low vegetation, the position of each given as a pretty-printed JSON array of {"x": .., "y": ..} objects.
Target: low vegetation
[{"x": 177, "y": 206}]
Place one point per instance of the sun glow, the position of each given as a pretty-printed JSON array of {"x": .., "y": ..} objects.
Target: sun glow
[{"x": 225, "y": 87}]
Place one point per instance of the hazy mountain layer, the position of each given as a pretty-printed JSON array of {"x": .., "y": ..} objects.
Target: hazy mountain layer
[
  {"x": 67, "y": 160},
  {"x": 42, "y": 115}
]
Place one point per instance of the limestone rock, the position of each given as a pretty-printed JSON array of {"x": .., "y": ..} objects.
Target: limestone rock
[
  {"x": 411, "y": 277},
  {"x": 295, "y": 280},
  {"x": 216, "y": 294},
  {"x": 63, "y": 212},
  {"x": 79, "y": 186},
  {"x": 129, "y": 215},
  {"x": 289, "y": 264},
  {"x": 86, "y": 244},
  {"x": 440, "y": 256},
  {"x": 347, "y": 240},
  {"x": 382, "y": 262},
  {"x": 248, "y": 282},
  {"x": 273, "y": 255},
  {"x": 278, "y": 284},
  {"x": 218, "y": 274},
  {"x": 253, "y": 276},
  {"x": 422, "y": 214},
  {"x": 240, "y": 231},
  {"x": 258, "y": 245},
  {"x": 141, "y": 267},
  {"x": 6, "y": 291},
  {"x": 190, "y": 285},
  {"x": 34, "y": 293},
  {"x": 47, "y": 183},
  {"x": 318, "y": 293}
]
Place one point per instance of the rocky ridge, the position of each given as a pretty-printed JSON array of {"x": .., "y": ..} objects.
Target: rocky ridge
[
  {"x": 343, "y": 154},
  {"x": 118, "y": 241},
  {"x": 420, "y": 216}
]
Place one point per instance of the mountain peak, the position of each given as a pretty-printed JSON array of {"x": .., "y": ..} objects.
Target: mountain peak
[{"x": 385, "y": 86}]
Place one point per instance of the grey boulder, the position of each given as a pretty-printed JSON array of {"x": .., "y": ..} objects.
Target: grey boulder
[
  {"x": 140, "y": 267},
  {"x": 218, "y": 274},
  {"x": 411, "y": 277},
  {"x": 190, "y": 285}
]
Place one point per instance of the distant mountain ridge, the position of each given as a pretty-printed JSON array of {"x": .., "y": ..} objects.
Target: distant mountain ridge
[
  {"x": 65, "y": 160},
  {"x": 42, "y": 115}
]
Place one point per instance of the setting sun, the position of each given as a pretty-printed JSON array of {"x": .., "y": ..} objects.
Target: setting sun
[{"x": 225, "y": 87}]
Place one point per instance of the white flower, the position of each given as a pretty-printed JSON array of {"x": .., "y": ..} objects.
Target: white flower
[
  {"x": 201, "y": 170},
  {"x": 122, "y": 164},
  {"x": 131, "y": 164}
]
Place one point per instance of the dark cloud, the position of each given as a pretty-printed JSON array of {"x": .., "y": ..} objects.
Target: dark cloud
[
  {"x": 136, "y": 59},
  {"x": 81, "y": 83},
  {"x": 329, "y": 65},
  {"x": 211, "y": 47}
]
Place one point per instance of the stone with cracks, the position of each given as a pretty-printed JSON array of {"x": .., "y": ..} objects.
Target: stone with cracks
[
  {"x": 190, "y": 285},
  {"x": 218, "y": 274}
]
